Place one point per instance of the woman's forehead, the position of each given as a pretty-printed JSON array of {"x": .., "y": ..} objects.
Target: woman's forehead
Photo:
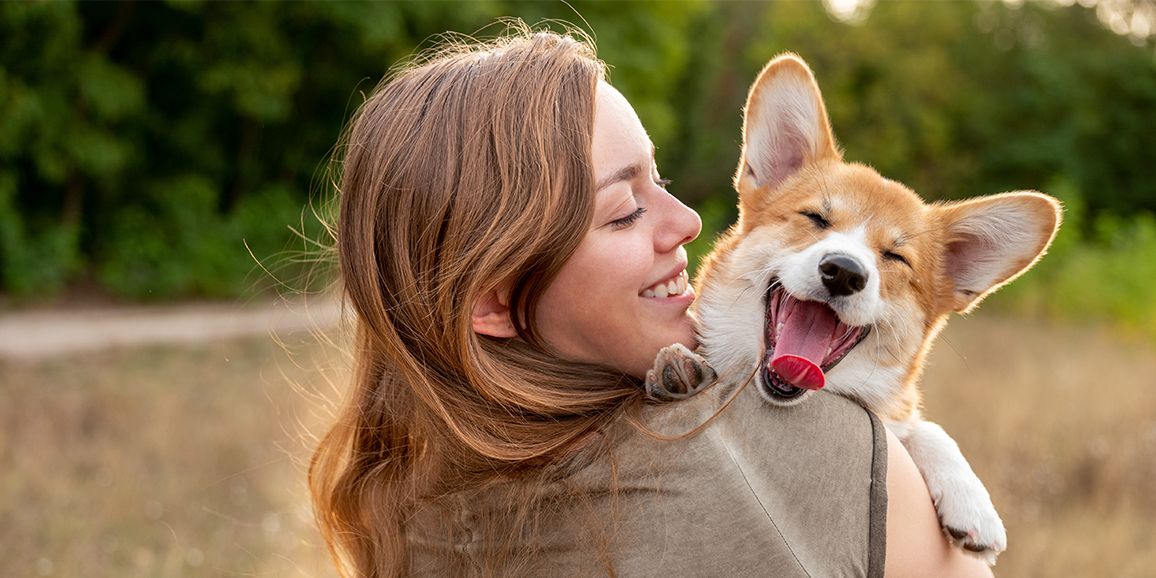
[{"x": 619, "y": 137}]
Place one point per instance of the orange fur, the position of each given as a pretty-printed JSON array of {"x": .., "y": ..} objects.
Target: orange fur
[
  {"x": 895, "y": 219},
  {"x": 888, "y": 267}
]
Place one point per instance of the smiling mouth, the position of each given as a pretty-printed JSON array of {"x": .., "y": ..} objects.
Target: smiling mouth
[
  {"x": 674, "y": 286},
  {"x": 810, "y": 330}
]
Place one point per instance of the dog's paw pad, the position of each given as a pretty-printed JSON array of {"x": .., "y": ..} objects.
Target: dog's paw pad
[
  {"x": 672, "y": 381},
  {"x": 678, "y": 373}
]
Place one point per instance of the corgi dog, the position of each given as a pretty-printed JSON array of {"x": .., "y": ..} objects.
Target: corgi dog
[{"x": 835, "y": 277}]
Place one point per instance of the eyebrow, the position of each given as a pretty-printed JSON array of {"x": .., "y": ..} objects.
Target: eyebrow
[{"x": 623, "y": 174}]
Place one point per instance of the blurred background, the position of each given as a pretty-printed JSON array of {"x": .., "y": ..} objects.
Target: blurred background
[{"x": 163, "y": 166}]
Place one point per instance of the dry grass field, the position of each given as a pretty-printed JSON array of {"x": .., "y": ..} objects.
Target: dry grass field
[
  {"x": 1060, "y": 423},
  {"x": 161, "y": 462},
  {"x": 189, "y": 462}
]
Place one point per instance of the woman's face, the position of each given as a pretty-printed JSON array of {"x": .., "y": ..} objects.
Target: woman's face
[{"x": 624, "y": 295}]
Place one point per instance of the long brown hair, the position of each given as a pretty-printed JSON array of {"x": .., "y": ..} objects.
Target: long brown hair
[{"x": 468, "y": 172}]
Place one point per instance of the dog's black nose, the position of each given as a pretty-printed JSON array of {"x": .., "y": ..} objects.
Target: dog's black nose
[{"x": 842, "y": 274}]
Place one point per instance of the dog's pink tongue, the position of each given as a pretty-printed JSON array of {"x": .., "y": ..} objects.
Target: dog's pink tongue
[{"x": 808, "y": 328}]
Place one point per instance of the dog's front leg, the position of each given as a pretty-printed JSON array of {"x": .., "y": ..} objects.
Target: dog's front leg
[
  {"x": 678, "y": 373},
  {"x": 962, "y": 502}
]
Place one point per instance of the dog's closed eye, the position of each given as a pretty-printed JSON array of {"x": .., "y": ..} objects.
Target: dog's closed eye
[
  {"x": 893, "y": 256},
  {"x": 816, "y": 219}
]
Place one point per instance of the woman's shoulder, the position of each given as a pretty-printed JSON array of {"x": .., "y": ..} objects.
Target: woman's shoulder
[
  {"x": 800, "y": 487},
  {"x": 760, "y": 490},
  {"x": 730, "y": 424}
]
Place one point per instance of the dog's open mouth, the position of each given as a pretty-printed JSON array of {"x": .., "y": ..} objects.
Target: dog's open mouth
[{"x": 804, "y": 339}]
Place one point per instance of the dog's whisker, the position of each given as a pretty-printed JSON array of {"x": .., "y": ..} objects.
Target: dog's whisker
[{"x": 893, "y": 332}]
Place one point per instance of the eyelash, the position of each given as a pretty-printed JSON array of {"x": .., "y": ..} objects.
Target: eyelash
[
  {"x": 628, "y": 220},
  {"x": 890, "y": 256},
  {"x": 817, "y": 219}
]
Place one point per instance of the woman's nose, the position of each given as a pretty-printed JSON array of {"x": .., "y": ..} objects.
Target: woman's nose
[{"x": 680, "y": 226}]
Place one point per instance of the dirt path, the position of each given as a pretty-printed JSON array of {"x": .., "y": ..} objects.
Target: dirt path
[{"x": 41, "y": 334}]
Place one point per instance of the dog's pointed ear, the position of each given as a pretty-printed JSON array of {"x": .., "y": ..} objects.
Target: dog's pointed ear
[
  {"x": 990, "y": 241},
  {"x": 785, "y": 125}
]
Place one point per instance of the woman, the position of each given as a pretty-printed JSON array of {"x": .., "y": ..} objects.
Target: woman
[{"x": 515, "y": 263}]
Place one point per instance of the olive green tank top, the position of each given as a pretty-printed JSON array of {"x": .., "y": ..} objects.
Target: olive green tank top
[{"x": 761, "y": 491}]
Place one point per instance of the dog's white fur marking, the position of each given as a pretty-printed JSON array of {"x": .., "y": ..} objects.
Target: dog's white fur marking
[
  {"x": 799, "y": 277},
  {"x": 726, "y": 307},
  {"x": 862, "y": 379},
  {"x": 863, "y": 375},
  {"x": 959, "y": 496}
]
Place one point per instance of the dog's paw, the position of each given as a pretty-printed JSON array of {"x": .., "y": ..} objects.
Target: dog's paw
[
  {"x": 968, "y": 517},
  {"x": 678, "y": 373},
  {"x": 974, "y": 544}
]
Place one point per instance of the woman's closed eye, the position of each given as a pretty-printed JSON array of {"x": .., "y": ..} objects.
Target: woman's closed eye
[
  {"x": 634, "y": 216},
  {"x": 628, "y": 220}
]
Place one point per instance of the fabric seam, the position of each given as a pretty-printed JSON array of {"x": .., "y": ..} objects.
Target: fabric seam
[{"x": 765, "y": 512}]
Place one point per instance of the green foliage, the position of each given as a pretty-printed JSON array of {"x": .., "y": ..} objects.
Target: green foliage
[
  {"x": 959, "y": 99},
  {"x": 136, "y": 139},
  {"x": 32, "y": 258},
  {"x": 717, "y": 213},
  {"x": 181, "y": 246},
  {"x": 151, "y": 146},
  {"x": 965, "y": 98},
  {"x": 1103, "y": 275}
]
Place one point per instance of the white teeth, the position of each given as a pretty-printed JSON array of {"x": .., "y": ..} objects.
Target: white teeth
[{"x": 676, "y": 286}]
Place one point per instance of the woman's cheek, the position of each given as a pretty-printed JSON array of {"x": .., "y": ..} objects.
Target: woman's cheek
[{"x": 629, "y": 266}]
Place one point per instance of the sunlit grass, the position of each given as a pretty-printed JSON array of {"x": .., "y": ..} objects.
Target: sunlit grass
[
  {"x": 159, "y": 462},
  {"x": 190, "y": 462},
  {"x": 1060, "y": 423}
]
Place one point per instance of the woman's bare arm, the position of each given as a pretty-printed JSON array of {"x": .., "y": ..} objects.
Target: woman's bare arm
[{"x": 916, "y": 546}]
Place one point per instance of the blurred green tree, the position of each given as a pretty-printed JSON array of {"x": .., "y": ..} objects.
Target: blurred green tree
[{"x": 143, "y": 145}]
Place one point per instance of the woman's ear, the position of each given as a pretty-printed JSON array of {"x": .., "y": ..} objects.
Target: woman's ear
[{"x": 491, "y": 314}]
